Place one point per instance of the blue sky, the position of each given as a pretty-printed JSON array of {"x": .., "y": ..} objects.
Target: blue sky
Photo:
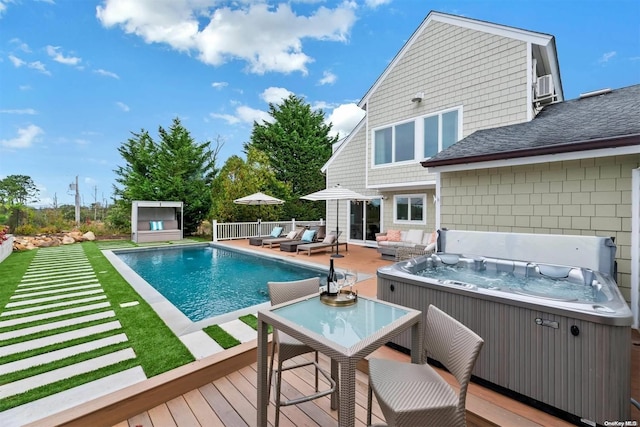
[{"x": 78, "y": 76}]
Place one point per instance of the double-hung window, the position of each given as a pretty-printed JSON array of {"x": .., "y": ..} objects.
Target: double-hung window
[
  {"x": 395, "y": 143},
  {"x": 409, "y": 208}
]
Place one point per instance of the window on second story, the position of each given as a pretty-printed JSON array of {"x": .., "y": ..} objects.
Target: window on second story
[
  {"x": 440, "y": 132},
  {"x": 409, "y": 209},
  {"x": 395, "y": 143},
  {"x": 420, "y": 138}
]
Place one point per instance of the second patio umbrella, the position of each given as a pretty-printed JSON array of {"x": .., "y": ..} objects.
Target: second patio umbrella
[
  {"x": 258, "y": 199},
  {"x": 336, "y": 193}
]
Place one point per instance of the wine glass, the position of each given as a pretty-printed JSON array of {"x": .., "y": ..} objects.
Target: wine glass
[
  {"x": 340, "y": 281},
  {"x": 351, "y": 277}
]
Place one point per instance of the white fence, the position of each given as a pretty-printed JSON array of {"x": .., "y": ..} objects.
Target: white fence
[{"x": 244, "y": 230}]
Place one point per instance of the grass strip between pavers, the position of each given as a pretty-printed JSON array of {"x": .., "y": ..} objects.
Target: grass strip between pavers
[
  {"x": 221, "y": 336},
  {"x": 66, "y": 384},
  {"x": 146, "y": 332},
  {"x": 252, "y": 321}
]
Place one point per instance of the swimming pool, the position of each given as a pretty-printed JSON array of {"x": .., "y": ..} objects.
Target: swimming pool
[{"x": 204, "y": 281}]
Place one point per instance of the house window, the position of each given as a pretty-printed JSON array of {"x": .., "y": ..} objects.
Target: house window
[
  {"x": 395, "y": 143},
  {"x": 409, "y": 209},
  {"x": 440, "y": 132}
]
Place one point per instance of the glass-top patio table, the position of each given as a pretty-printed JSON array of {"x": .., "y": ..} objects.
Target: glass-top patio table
[{"x": 345, "y": 334}]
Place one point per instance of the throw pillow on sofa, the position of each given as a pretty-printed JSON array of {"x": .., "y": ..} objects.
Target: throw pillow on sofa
[{"x": 393, "y": 235}]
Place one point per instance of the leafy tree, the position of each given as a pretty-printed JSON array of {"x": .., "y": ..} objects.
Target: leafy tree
[
  {"x": 15, "y": 192},
  {"x": 297, "y": 144},
  {"x": 238, "y": 178},
  {"x": 174, "y": 168}
]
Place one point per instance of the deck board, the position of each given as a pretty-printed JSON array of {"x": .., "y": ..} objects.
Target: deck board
[{"x": 230, "y": 402}]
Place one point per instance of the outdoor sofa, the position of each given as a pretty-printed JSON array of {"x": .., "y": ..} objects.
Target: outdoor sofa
[{"x": 396, "y": 245}]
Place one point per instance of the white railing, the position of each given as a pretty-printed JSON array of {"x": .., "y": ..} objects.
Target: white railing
[{"x": 244, "y": 230}]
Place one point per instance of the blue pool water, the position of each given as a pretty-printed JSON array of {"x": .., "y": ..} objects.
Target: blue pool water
[{"x": 203, "y": 282}]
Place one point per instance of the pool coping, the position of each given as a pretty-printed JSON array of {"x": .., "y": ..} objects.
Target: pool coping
[{"x": 177, "y": 321}]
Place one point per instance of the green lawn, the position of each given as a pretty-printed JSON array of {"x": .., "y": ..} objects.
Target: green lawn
[{"x": 157, "y": 349}]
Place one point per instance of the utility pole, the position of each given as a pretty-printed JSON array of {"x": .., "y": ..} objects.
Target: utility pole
[{"x": 75, "y": 187}]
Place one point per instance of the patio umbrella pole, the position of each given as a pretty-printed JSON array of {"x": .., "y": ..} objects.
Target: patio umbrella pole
[{"x": 337, "y": 254}]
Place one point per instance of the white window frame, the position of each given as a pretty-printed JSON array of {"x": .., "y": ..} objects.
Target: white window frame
[
  {"x": 439, "y": 114},
  {"x": 418, "y": 139},
  {"x": 423, "y": 196},
  {"x": 393, "y": 161}
]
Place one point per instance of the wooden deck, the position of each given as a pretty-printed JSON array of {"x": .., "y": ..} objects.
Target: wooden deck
[{"x": 221, "y": 390}]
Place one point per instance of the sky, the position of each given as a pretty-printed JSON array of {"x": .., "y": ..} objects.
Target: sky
[{"x": 78, "y": 77}]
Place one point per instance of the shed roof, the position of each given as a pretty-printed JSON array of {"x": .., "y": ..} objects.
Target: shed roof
[{"x": 608, "y": 120}]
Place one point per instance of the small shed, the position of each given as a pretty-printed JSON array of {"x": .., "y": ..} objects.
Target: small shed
[{"x": 156, "y": 221}]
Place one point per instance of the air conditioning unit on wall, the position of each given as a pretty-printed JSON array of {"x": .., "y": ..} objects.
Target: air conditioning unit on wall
[{"x": 544, "y": 87}]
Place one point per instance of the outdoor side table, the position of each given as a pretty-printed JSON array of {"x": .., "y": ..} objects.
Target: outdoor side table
[
  {"x": 291, "y": 246},
  {"x": 345, "y": 334}
]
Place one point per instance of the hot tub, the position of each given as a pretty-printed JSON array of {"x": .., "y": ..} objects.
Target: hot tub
[{"x": 555, "y": 333}]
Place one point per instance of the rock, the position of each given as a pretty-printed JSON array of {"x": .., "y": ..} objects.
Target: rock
[
  {"x": 76, "y": 235},
  {"x": 89, "y": 236},
  {"x": 67, "y": 240}
]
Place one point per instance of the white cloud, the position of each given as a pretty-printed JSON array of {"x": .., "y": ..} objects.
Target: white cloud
[
  {"x": 3, "y": 6},
  {"x": 275, "y": 95},
  {"x": 249, "y": 115},
  {"x": 20, "y": 111},
  {"x": 25, "y": 139},
  {"x": 17, "y": 62},
  {"x": 24, "y": 87},
  {"x": 219, "y": 85},
  {"x": 20, "y": 45},
  {"x": 36, "y": 65},
  {"x": 344, "y": 118},
  {"x": 328, "y": 78},
  {"x": 229, "y": 118},
  {"x": 606, "y": 57},
  {"x": 54, "y": 52},
  {"x": 268, "y": 38},
  {"x": 244, "y": 114},
  {"x": 375, "y": 3},
  {"x": 106, "y": 73},
  {"x": 124, "y": 107}
]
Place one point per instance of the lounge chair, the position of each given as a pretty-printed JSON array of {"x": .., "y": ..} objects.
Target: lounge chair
[
  {"x": 330, "y": 241},
  {"x": 291, "y": 237},
  {"x": 275, "y": 233}
]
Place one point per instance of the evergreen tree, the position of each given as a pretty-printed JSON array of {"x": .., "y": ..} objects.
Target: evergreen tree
[
  {"x": 176, "y": 168},
  {"x": 297, "y": 144}
]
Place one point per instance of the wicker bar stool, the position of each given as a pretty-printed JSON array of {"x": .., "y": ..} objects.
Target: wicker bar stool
[
  {"x": 411, "y": 394},
  {"x": 288, "y": 347}
]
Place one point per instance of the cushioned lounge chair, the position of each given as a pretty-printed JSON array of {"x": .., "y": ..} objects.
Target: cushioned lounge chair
[
  {"x": 275, "y": 233},
  {"x": 291, "y": 237},
  {"x": 329, "y": 241}
]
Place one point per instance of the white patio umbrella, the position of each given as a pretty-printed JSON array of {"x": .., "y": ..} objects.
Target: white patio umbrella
[
  {"x": 336, "y": 193},
  {"x": 258, "y": 199}
]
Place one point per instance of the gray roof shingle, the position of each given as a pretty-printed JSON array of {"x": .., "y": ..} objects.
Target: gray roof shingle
[{"x": 601, "y": 121}]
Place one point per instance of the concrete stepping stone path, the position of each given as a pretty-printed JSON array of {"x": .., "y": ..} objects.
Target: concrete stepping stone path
[{"x": 58, "y": 295}]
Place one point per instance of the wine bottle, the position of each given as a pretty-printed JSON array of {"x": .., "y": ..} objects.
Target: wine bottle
[{"x": 332, "y": 289}]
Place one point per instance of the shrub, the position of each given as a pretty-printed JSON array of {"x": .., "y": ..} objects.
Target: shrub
[{"x": 26, "y": 230}]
